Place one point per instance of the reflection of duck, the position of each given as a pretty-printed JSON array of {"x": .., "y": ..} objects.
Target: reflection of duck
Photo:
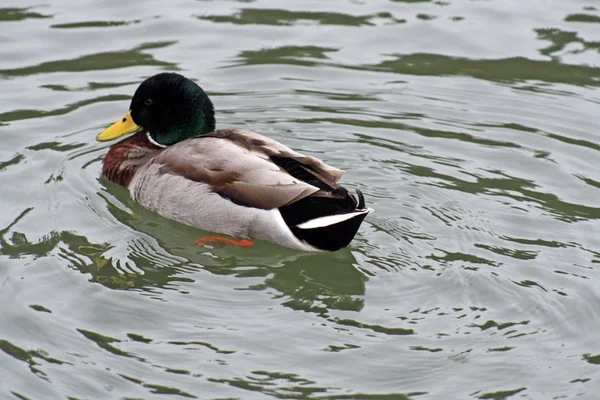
[
  {"x": 304, "y": 281},
  {"x": 227, "y": 181}
]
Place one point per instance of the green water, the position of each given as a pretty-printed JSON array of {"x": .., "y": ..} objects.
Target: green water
[{"x": 471, "y": 126}]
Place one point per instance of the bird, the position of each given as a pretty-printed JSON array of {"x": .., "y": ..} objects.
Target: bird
[{"x": 228, "y": 181}]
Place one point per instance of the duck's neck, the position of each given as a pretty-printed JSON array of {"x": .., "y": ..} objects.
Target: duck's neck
[{"x": 125, "y": 157}]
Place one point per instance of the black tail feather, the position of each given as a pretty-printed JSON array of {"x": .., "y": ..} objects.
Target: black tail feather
[
  {"x": 331, "y": 237},
  {"x": 361, "y": 200},
  {"x": 311, "y": 207},
  {"x": 331, "y": 199}
]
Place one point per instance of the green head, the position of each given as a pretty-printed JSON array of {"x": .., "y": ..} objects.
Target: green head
[{"x": 170, "y": 107}]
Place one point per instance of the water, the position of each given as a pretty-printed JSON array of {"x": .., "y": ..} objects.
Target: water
[{"x": 471, "y": 126}]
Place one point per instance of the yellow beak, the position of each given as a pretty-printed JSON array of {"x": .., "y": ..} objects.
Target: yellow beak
[{"x": 123, "y": 127}]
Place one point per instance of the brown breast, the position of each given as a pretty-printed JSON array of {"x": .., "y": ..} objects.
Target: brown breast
[{"x": 125, "y": 157}]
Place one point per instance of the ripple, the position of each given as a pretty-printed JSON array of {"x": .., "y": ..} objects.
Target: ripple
[
  {"x": 281, "y": 17},
  {"x": 20, "y": 14},
  {"x": 375, "y": 328},
  {"x": 478, "y": 152},
  {"x": 40, "y": 308},
  {"x": 293, "y": 55},
  {"x": 31, "y": 357},
  {"x": 510, "y": 70},
  {"x": 104, "y": 342},
  {"x": 293, "y": 386},
  {"x": 158, "y": 389},
  {"x": 99, "y": 61},
  {"x": 18, "y": 115},
  {"x": 13, "y": 161},
  {"x": 501, "y": 394},
  {"x": 94, "y": 24},
  {"x": 194, "y": 345},
  {"x": 588, "y": 18}
]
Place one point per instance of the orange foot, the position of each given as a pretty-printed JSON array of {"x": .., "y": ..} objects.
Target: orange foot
[{"x": 218, "y": 241}]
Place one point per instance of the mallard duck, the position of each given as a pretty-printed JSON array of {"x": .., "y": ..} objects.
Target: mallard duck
[{"x": 227, "y": 181}]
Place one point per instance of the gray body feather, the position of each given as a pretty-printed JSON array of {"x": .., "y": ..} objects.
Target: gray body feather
[{"x": 224, "y": 182}]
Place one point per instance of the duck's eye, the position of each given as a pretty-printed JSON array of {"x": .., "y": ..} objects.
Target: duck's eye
[{"x": 148, "y": 102}]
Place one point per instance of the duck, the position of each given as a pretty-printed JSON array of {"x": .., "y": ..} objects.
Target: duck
[{"x": 228, "y": 181}]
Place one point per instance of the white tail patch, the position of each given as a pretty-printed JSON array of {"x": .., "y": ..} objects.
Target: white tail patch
[{"x": 332, "y": 219}]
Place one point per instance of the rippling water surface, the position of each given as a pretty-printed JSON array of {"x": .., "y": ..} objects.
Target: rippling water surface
[{"x": 472, "y": 127}]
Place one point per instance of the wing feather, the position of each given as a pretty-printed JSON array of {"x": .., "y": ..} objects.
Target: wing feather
[
  {"x": 268, "y": 148},
  {"x": 244, "y": 174}
]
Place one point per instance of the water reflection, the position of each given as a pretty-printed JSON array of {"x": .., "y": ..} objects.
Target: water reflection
[
  {"x": 88, "y": 258},
  {"x": 94, "y": 24},
  {"x": 507, "y": 70},
  {"x": 588, "y": 18},
  {"x": 293, "y": 55},
  {"x": 13, "y": 161},
  {"x": 138, "y": 56},
  {"x": 31, "y": 357},
  {"x": 478, "y": 269},
  {"x": 282, "y": 17},
  {"x": 291, "y": 386},
  {"x": 306, "y": 281},
  {"x": 20, "y": 14},
  {"x": 309, "y": 282},
  {"x": 560, "y": 39},
  {"x": 498, "y": 184},
  {"x": 17, "y": 115}
]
